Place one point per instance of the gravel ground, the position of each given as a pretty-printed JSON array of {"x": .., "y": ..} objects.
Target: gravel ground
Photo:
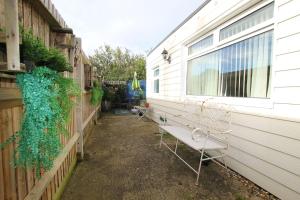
[{"x": 124, "y": 161}]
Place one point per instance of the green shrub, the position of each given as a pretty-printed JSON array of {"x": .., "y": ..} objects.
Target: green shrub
[
  {"x": 97, "y": 94},
  {"x": 56, "y": 60},
  {"x": 34, "y": 50}
]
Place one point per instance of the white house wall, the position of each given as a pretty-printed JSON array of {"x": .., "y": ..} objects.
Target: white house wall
[{"x": 265, "y": 142}]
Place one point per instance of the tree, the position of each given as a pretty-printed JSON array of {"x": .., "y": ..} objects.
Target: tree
[{"x": 118, "y": 64}]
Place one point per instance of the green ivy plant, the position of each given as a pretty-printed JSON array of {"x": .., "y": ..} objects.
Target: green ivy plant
[
  {"x": 97, "y": 94},
  {"x": 48, "y": 98},
  {"x": 34, "y": 50}
]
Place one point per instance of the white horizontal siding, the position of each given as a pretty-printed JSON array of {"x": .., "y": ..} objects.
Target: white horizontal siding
[
  {"x": 287, "y": 61},
  {"x": 283, "y": 144},
  {"x": 288, "y": 10},
  {"x": 267, "y": 154},
  {"x": 288, "y": 44},
  {"x": 261, "y": 180},
  {"x": 278, "y": 175},
  {"x": 292, "y": 25},
  {"x": 287, "y": 95},
  {"x": 288, "y": 78},
  {"x": 279, "y": 127},
  {"x": 286, "y": 92},
  {"x": 286, "y": 109},
  {"x": 281, "y": 2},
  {"x": 173, "y": 69},
  {"x": 272, "y": 156}
]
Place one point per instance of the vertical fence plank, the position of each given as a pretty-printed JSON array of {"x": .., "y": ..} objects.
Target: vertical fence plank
[
  {"x": 30, "y": 179},
  {"x": 20, "y": 13},
  {"x": 2, "y": 16},
  {"x": 20, "y": 172},
  {"x": 27, "y": 15},
  {"x": 47, "y": 35},
  {"x": 2, "y": 183},
  {"x": 41, "y": 28},
  {"x": 9, "y": 170},
  {"x": 53, "y": 186},
  {"x": 35, "y": 22}
]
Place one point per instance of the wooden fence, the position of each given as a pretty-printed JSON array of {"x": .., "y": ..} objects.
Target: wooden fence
[
  {"x": 16, "y": 183},
  {"x": 88, "y": 108}
]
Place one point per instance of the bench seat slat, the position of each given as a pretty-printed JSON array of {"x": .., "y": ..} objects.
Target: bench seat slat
[{"x": 185, "y": 136}]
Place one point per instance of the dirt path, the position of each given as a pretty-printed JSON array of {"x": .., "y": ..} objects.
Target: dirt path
[{"x": 124, "y": 161}]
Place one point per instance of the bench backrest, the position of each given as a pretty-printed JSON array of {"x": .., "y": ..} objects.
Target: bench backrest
[
  {"x": 215, "y": 117},
  {"x": 212, "y": 118}
]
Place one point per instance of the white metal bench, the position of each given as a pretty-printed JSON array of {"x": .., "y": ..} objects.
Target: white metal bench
[{"x": 202, "y": 139}]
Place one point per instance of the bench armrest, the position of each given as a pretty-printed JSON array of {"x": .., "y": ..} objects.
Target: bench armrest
[{"x": 199, "y": 129}]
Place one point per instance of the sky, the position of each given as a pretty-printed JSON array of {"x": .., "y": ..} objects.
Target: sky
[{"x": 137, "y": 25}]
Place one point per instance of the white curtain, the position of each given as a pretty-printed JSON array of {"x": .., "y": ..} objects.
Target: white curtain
[
  {"x": 202, "y": 77},
  {"x": 239, "y": 70}
]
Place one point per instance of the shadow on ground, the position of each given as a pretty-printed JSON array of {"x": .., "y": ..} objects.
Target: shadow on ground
[{"x": 124, "y": 161}]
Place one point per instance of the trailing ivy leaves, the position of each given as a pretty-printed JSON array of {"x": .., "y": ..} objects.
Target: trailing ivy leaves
[
  {"x": 97, "y": 94},
  {"x": 48, "y": 99}
]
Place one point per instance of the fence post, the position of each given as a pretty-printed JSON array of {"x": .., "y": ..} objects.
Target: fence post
[
  {"x": 12, "y": 34},
  {"x": 79, "y": 108}
]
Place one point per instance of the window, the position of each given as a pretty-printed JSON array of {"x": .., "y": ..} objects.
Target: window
[
  {"x": 202, "y": 44},
  {"x": 156, "y": 80},
  {"x": 249, "y": 21},
  {"x": 242, "y": 69}
]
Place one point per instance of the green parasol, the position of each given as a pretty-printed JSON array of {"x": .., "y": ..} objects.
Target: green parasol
[{"x": 135, "y": 83}]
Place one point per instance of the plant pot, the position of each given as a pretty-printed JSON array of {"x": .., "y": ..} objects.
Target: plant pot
[
  {"x": 106, "y": 106},
  {"x": 30, "y": 65},
  {"x": 142, "y": 102}
]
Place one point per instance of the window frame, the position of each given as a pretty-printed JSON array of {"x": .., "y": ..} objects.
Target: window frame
[
  {"x": 202, "y": 38},
  {"x": 154, "y": 78},
  {"x": 244, "y": 15},
  {"x": 217, "y": 44}
]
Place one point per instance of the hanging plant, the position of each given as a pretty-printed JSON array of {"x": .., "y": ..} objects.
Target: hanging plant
[
  {"x": 48, "y": 99},
  {"x": 35, "y": 53},
  {"x": 97, "y": 94}
]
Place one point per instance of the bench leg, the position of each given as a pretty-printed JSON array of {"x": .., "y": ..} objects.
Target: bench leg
[
  {"x": 161, "y": 139},
  {"x": 176, "y": 146},
  {"x": 225, "y": 164},
  {"x": 199, "y": 169}
]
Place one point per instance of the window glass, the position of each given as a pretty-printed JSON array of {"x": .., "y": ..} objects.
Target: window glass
[
  {"x": 156, "y": 86},
  {"x": 247, "y": 22},
  {"x": 156, "y": 80},
  {"x": 242, "y": 69},
  {"x": 156, "y": 72},
  {"x": 202, "y": 44}
]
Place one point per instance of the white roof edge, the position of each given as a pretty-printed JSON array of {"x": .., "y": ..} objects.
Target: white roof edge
[{"x": 181, "y": 24}]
